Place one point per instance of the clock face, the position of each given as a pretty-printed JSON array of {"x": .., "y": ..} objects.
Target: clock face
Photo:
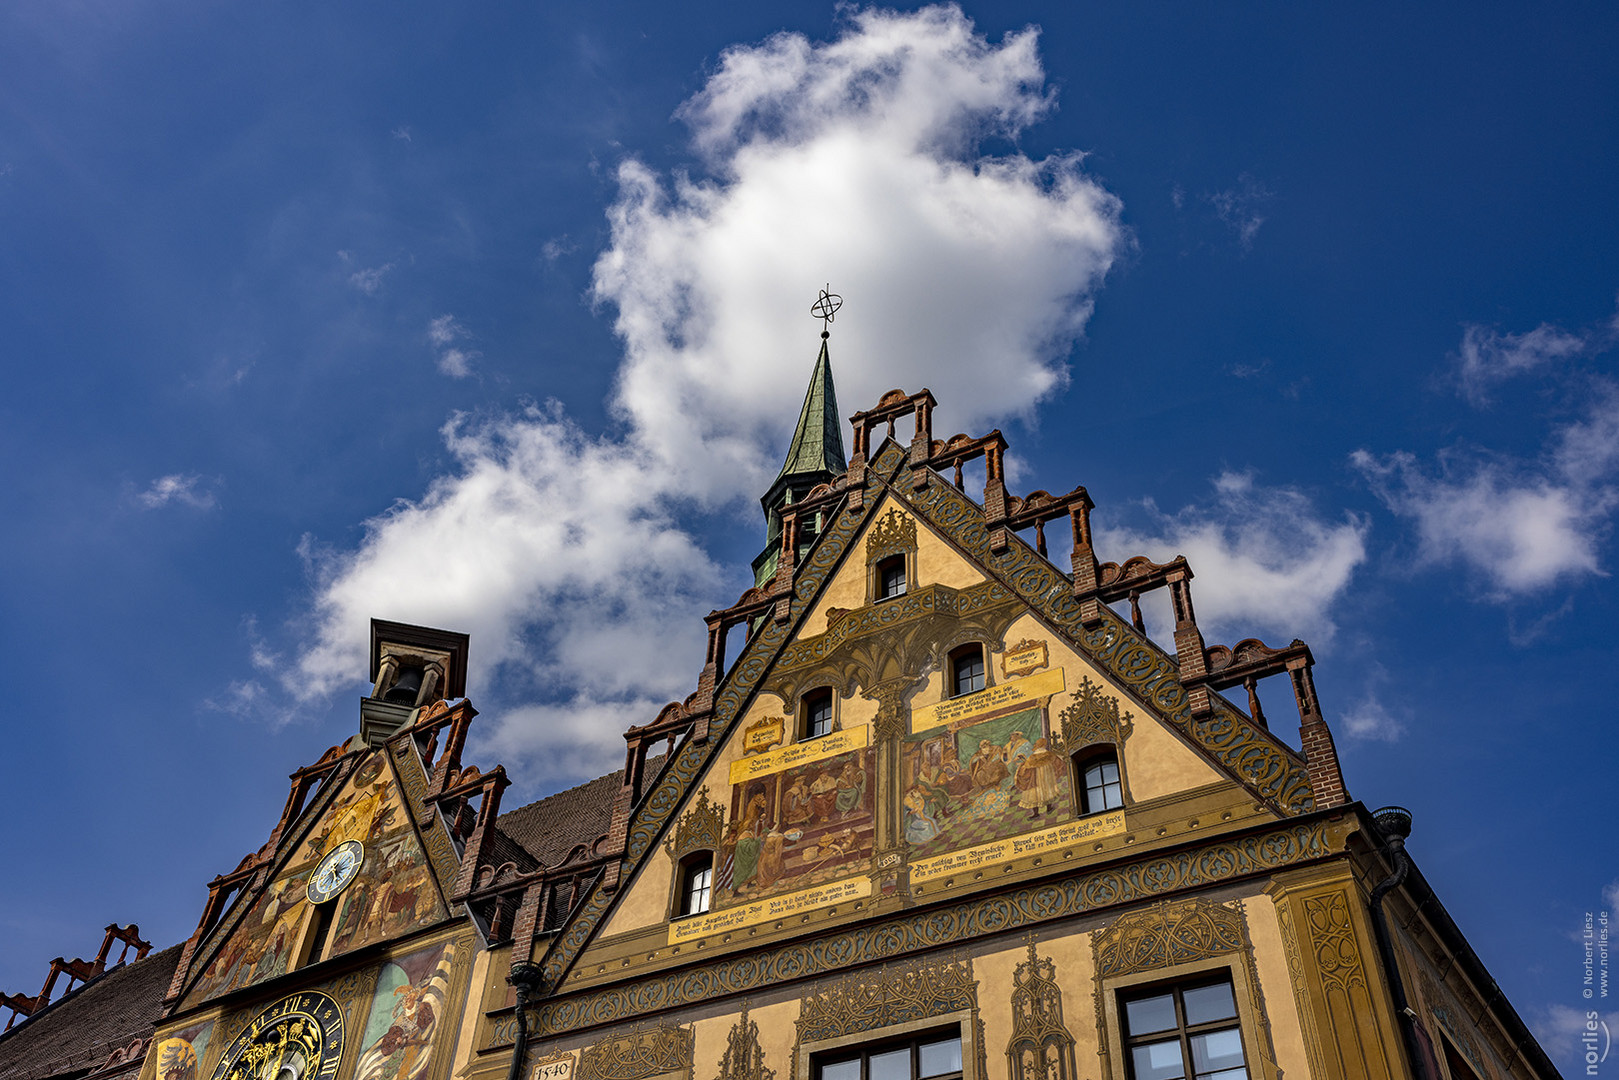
[
  {"x": 300, "y": 1037},
  {"x": 335, "y": 871}
]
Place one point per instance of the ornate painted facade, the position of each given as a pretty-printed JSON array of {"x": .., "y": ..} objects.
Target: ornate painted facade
[{"x": 947, "y": 815}]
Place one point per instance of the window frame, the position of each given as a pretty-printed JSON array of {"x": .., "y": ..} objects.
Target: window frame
[
  {"x": 863, "y": 1052},
  {"x": 1084, "y": 759},
  {"x": 1183, "y": 1031},
  {"x": 806, "y": 703},
  {"x": 954, "y": 659},
  {"x": 880, "y": 571},
  {"x": 690, "y": 866},
  {"x": 812, "y": 1055},
  {"x": 1234, "y": 966}
]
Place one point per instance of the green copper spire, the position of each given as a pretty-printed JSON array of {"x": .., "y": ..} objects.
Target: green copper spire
[
  {"x": 815, "y": 457},
  {"x": 817, "y": 445}
]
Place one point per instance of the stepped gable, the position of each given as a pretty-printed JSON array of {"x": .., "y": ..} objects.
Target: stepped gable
[{"x": 78, "y": 1033}]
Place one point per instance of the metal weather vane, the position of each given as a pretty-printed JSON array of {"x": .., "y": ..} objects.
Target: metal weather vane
[{"x": 825, "y": 308}]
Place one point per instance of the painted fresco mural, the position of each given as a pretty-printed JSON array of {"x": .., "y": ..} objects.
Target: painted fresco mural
[
  {"x": 261, "y": 948},
  {"x": 409, "y": 1004},
  {"x": 982, "y": 779},
  {"x": 799, "y": 827},
  {"x": 178, "y": 1056},
  {"x": 393, "y": 891}
]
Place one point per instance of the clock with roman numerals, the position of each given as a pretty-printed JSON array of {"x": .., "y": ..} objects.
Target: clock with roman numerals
[{"x": 300, "y": 1036}]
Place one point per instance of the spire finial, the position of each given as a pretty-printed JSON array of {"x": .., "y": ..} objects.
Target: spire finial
[{"x": 825, "y": 308}]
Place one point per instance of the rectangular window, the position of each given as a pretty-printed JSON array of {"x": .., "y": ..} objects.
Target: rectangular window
[
  {"x": 1102, "y": 788},
  {"x": 891, "y": 578},
  {"x": 1187, "y": 1032},
  {"x": 817, "y": 714},
  {"x": 967, "y": 671},
  {"x": 696, "y": 884},
  {"x": 935, "y": 1056}
]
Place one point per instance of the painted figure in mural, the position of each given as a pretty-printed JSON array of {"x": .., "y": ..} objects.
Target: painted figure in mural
[
  {"x": 351, "y": 919},
  {"x": 1018, "y": 748},
  {"x": 988, "y": 766},
  {"x": 749, "y": 844},
  {"x": 772, "y": 864},
  {"x": 800, "y": 808},
  {"x": 824, "y": 795},
  {"x": 920, "y": 825},
  {"x": 1036, "y": 780},
  {"x": 405, "y": 1045},
  {"x": 851, "y": 788},
  {"x": 955, "y": 780}
]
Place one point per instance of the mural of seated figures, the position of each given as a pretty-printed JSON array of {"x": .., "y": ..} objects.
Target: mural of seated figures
[
  {"x": 982, "y": 779},
  {"x": 803, "y": 826}
]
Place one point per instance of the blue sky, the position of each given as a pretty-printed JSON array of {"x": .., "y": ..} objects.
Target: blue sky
[{"x": 496, "y": 319}]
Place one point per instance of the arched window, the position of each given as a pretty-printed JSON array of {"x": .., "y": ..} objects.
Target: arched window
[
  {"x": 966, "y": 670},
  {"x": 696, "y": 883},
  {"x": 1098, "y": 780},
  {"x": 816, "y": 714},
  {"x": 891, "y": 577}
]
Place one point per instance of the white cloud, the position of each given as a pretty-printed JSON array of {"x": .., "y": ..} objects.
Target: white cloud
[
  {"x": 1240, "y": 208},
  {"x": 1610, "y": 895},
  {"x": 176, "y": 488},
  {"x": 453, "y": 360},
  {"x": 1523, "y": 525},
  {"x": 1489, "y": 357},
  {"x": 444, "y": 329},
  {"x": 456, "y": 363},
  {"x": 369, "y": 281},
  {"x": 1559, "y": 1028},
  {"x": 853, "y": 161},
  {"x": 1371, "y": 720},
  {"x": 402, "y": 133},
  {"x": 1265, "y": 561}
]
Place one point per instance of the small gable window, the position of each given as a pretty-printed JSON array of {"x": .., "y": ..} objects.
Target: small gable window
[
  {"x": 966, "y": 670},
  {"x": 891, "y": 577},
  {"x": 817, "y": 712},
  {"x": 1099, "y": 785},
  {"x": 696, "y": 883}
]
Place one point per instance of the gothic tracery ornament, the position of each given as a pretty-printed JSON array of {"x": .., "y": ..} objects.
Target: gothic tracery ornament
[
  {"x": 744, "y": 1058},
  {"x": 892, "y": 534},
  {"x": 700, "y": 829},
  {"x": 1041, "y": 1047},
  {"x": 1093, "y": 718}
]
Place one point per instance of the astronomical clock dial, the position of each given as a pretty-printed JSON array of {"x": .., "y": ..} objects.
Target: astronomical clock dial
[
  {"x": 300, "y": 1037},
  {"x": 335, "y": 871}
]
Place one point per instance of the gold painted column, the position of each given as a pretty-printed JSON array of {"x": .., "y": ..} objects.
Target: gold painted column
[
  {"x": 1350, "y": 1031},
  {"x": 888, "y": 727}
]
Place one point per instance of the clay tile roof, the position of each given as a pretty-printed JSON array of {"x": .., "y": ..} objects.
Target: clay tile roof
[
  {"x": 76, "y": 1033},
  {"x": 557, "y": 824}
]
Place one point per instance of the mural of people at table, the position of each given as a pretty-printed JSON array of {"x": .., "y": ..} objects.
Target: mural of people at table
[
  {"x": 806, "y": 825},
  {"x": 980, "y": 780},
  {"x": 407, "y": 1007}
]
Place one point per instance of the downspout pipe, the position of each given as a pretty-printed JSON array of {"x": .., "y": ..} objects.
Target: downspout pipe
[
  {"x": 1394, "y": 825},
  {"x": 524, "y": 980}
]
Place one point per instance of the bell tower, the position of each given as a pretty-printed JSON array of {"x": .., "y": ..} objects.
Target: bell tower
[{"x": 411, "y": 666}]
